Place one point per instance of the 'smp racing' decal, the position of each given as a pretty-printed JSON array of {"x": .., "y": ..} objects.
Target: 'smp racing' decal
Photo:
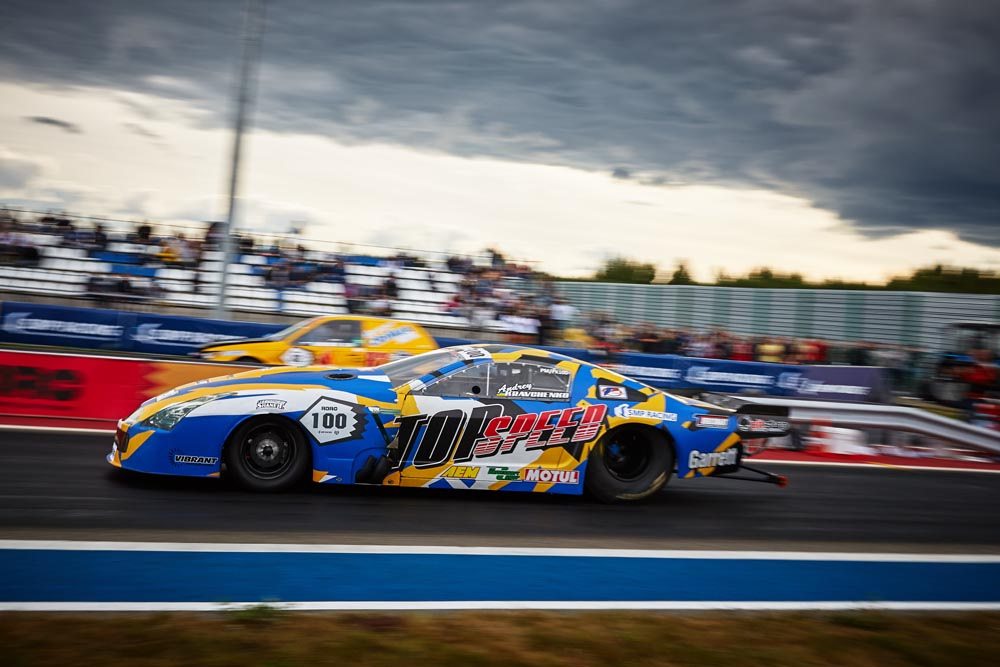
[{"x": 457, "y": 436}]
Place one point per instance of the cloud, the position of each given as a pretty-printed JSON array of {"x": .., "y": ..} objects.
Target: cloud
[
  {"x": 17, "y": 171},
  {"x": 72, "y": 128},
  {"x": 135, "y": 128},
  {"x": 887, "y": 113}
]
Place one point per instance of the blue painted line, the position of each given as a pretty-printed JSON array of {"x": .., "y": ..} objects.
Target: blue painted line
[{"x": 58, "y": 575}]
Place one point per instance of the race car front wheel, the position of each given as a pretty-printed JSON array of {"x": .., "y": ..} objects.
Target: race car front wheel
[
  {"x": 267, "y": 454},
  {"x": 629, "y": 463}
]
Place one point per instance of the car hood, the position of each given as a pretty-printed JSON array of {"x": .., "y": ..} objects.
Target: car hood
[
  {"x": 231, "y": 342},
  {"x": 362, "y": 382}
]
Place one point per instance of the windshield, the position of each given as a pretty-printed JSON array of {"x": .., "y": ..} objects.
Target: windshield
[
  {"x": 405, "y": 370},
  {"x": 288, "y": 331}
]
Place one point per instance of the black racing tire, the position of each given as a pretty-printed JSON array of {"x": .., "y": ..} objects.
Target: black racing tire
[
  {"x": 267, "y": 454},
  {"x": 248, "y": 360},
  {"x": 631, "y": 462}
]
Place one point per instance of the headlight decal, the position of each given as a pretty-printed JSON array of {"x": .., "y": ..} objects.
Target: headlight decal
[{"x": 167, "y": 418}]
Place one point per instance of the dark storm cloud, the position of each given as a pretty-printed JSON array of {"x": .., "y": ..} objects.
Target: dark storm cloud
[
  {"x": 72, "y": 128},
  {"x": 886, "y": 112}
]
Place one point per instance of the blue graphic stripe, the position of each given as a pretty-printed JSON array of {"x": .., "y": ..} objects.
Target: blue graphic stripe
[{"x": 46, "y": 575}]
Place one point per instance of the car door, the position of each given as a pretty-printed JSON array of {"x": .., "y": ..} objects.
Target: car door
[
  {"x": 441, "y": 418},
  {"x": 334, "y": 342},
  {"x": 487, "y": 422}
]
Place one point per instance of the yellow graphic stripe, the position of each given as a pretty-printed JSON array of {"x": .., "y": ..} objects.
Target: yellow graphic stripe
[
  {"x": 135, "y": 442},
  {"x": 153, "y": 408}
]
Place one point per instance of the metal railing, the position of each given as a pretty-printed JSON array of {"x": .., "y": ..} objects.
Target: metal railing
[{"x": 887, "y": 417}]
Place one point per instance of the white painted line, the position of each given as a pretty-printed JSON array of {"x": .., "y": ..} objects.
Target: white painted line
[
  {"x": 874, "y": 466},
  {"x": 667, "y": 605},
  {"x": 222, "y": 547},
  {"x": 57, "y": 429}
]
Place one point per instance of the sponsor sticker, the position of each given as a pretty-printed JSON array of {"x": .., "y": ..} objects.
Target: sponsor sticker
[
  {"x": 270, "y": 404},
  {"x": 605, "y": 391},
  {"x": 758, "y": 425},
  {"x": 503, "y": 473},
  {"x": 546, "y": 370},
  {"x": 550, "y": 476},
  {"x": 296, "y": 356},
  {"x": 724, "y": 459},
  {"x": 627, "y": 413},
  {"x": 454, "y": 436},
  {"x": 712, "y": 421},
  {"x": 539, "y": 430},
  {"x": 470, "y": 353},
  {"x": 461, "y": 472},
  {"x": 391, "y": 332},
  {"x": 197, "y": 460},
  {"x": 329, "y": 420}
]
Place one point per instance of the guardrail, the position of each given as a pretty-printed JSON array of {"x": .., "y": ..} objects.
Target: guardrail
[{"x": 888, "y": 417}]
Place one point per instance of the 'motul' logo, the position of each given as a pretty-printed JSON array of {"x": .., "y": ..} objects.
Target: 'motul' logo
[{"x": 551, "y": 476}]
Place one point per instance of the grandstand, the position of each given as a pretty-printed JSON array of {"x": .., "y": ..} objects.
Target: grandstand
[{"x": 70, "y": 272}]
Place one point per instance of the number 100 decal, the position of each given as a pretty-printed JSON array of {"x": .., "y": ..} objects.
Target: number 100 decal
[
  {"x": 457, "y": 436},
  {"x": 329, "y": 420}
]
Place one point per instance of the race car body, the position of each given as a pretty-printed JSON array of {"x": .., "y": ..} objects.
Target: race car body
[
  {"x": 495, "y": 417},
  {"x": 342, "y": 340}
]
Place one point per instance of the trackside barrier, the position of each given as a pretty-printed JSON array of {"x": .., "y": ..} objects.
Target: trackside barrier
[
  {"x": 671, "y": 371},
  {"x": 52, "y": 389},
  {"x": 103, "y": 329},
  {"x": 887, "y": 417}
]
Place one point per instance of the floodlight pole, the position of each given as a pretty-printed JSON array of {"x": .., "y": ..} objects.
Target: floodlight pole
[{"x": 253, "y": 30}]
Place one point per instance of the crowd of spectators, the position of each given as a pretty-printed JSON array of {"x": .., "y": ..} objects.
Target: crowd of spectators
[
  {"x": 15, "y": 248},
  {"x": 493, "y": 294}
]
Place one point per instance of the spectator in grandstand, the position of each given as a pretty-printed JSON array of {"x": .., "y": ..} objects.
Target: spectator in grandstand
[
  {"x": 562, "y": 314},
  {"x": 334, "y": 271},
  {"x": 741, "y": 350},
  {"x": 99, "y": 239},
  {"x": 771, "y": 350},
  {"x": 213, "y": 236},
  {"x": 353, "y": 298},
  {"x": 167, "y": 252},
  {"x": 143, "y": 235},
  {"x": 278, "y": 277},
  {"x": 389, "y": 288}
]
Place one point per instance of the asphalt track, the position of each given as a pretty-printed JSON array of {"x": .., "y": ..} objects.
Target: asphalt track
[{"x": 58, "y": 486}]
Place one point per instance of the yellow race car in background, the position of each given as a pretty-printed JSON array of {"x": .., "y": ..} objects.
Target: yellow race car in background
[{"x": 339, "y": 340}]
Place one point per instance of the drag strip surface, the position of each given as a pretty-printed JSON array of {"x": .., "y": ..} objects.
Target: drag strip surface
[{"x": 58, "y": 486}]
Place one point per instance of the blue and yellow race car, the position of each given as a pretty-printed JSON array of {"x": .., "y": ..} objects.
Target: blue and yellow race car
[{"x": 494, "y": 416}]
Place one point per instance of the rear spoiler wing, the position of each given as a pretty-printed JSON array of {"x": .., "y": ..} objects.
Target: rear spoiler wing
[{"x": 753, "y": 420}]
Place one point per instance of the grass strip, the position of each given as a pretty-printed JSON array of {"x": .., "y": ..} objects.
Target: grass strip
[{"x": 268, "y": 636}]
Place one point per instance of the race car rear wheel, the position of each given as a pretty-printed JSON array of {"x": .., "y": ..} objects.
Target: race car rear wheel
[
  {"x": 629, "y": 463},
  {"x": 267, "y": 454}
]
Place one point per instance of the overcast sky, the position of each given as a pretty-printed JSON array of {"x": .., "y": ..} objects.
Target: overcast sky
[{"x": 840, "y": 138}]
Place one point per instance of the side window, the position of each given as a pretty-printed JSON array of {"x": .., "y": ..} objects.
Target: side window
[
  {"x": 336, "y": 332},
  {"x": 469, "y": 382},
  {"x": 530, "y": 381}
]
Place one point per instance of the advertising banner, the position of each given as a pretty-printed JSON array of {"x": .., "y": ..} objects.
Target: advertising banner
[
  {"x": 40, "y": 324},
  {"x": 59, "y": 387},
  {"x": 104, "y": 329},
  {"x": 845, "y": 383},
  {"x": 170, "y": 334}
]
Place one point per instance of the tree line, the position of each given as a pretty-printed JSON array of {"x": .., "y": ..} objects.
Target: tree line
[{"x": 938, "y": 278}]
